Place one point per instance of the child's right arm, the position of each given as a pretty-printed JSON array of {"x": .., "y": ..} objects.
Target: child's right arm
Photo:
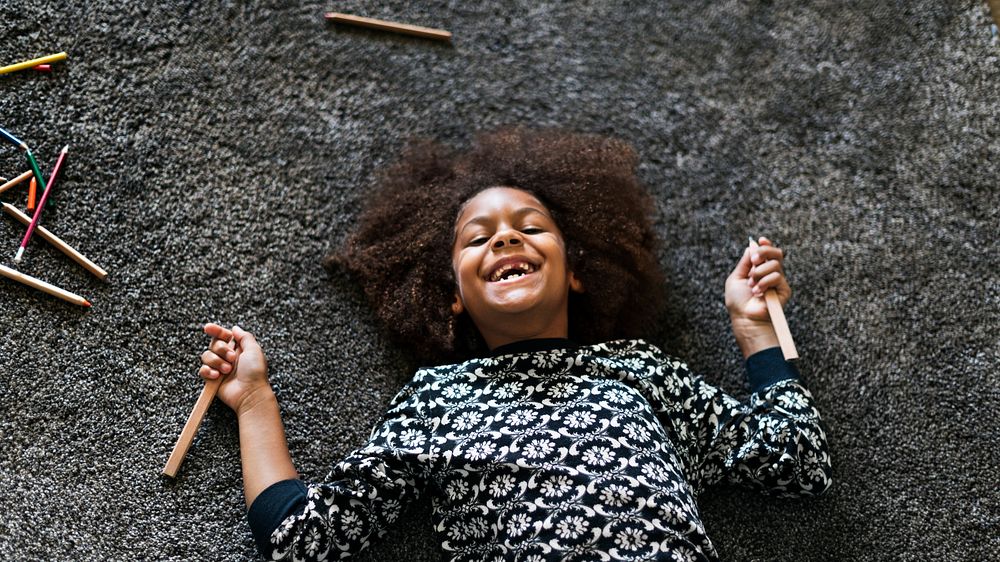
[
  {"x": 263, "y": 448},
  {"x": 296, "y": 520}
]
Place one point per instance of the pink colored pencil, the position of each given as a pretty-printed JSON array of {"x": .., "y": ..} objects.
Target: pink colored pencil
[{"x": 41, "y": 204}]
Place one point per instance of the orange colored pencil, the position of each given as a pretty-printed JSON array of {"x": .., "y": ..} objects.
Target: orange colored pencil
[{"x": 32, "y": 187}]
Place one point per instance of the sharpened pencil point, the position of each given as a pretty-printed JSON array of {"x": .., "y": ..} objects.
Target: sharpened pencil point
[
  {"x": 17, "y": 256},
  {"x": 86, "y": 303},
  {"x": 65, "y": 148}
]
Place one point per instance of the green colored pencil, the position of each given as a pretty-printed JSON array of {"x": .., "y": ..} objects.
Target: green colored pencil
[{"x": 34, "y": 167}]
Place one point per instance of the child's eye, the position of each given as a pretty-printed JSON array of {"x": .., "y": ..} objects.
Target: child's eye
[
  {"x": 478, "y": 241},
  {"x": 532, "y": 230}
]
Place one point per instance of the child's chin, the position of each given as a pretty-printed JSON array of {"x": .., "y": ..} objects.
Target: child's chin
[{"x": 515, "y": 302}]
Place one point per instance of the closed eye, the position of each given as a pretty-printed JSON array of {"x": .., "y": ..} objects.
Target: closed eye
[
  {"x": 478, "y": 241},
  {"x": 532, "y": 230}
]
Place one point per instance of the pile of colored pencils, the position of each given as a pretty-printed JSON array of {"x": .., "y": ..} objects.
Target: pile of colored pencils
[{"x": 32, "y": 222}]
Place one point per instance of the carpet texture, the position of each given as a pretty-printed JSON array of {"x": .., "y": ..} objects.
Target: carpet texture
[{"x": 219, "y": 150}]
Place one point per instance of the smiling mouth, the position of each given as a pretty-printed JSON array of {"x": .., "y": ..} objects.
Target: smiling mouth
[{"x": 511, "y": 271}]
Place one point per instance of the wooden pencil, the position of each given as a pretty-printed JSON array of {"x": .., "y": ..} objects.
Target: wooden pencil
[
  {"x": 16, "y": 181},
  {"x": 208, "y": 393},
  {"x": 404, "y": 28},
  {"x": 57, "y": 242},
  {"x": 41, "y": 204},
  {"x": 778, "y": 320},
  {"x": 43, "y": 286},
  {"x": 32, "y": 188},
  {"x": 33, "y": 62}
]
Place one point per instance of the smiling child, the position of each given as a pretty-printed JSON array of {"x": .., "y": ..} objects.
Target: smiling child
[{"x": 551, "y": 431}]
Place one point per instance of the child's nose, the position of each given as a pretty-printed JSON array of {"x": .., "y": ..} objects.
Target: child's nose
[{"x": 507, "y": 239}]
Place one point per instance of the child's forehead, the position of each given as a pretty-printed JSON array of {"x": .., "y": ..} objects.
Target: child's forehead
[{"x": 500, "y": 198}]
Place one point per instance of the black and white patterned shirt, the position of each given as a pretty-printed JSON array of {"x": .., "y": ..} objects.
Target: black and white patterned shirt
[{"x": 590, "y": 453}]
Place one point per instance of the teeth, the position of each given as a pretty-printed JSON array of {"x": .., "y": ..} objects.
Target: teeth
[{"x": 524, "y": 268}]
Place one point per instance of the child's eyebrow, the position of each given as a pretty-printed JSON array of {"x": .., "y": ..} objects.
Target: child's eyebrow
[{"x": 486, "y": 219}]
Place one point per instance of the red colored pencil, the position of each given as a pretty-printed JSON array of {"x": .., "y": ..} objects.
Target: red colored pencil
[{"x": 41, "y": 204}]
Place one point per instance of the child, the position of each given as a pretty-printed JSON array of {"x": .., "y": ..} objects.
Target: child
[{"x": 519, "y": 260}]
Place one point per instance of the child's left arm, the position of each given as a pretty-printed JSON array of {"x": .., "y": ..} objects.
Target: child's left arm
[{"x": 758, "y": 270}]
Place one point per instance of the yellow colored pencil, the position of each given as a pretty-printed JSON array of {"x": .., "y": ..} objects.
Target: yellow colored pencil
[
  {"x": 30, "y": 281},
  {"x": 33, "y": 62}
]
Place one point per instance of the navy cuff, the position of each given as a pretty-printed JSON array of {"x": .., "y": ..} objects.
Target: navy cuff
[
  {"x": 767, "y": 367},
  {"x": 273, "y": 506}
]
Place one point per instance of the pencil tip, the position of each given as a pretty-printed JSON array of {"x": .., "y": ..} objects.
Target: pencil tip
[
  {"x": 66, "y": 148},
  {"x": 86, "y": 303},
  {"x": 17, "y": 256}
]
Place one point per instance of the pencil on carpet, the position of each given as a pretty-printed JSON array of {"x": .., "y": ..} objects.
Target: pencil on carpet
[
  {"x": 404, "y": 28},
  {"x": 9, "y": 137},
  {"x": 34, "y": 166},
  {"x": 57, "y": 242},
  {"x": 32, "y": 188},
  {"x": 41, "y": 204},
  {"x": 33, "y": 62},
  {"x": 15, "y": 181},
  {"x": 43, "y": 286},
  {"x": 778, "y": 320},
  {"x": 208, "y": 393}
]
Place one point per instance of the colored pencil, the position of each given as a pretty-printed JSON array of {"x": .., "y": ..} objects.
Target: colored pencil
[
  {"x": 34, "y": 166},
  {"x": 7, "y": 136},
  {"x": 778, "y": 320},
  {"x": 407, "y": 29},
  {"x": 41, "y": 204},
  {"x": 43, "y": 286},
  {"x": 58, "y": 243},
  {"x": 208, "y": 393},
  {"x": 33, "y": 62},
  {"x": 15, "y": 181},
  {"x": 32, "y": 188},
  {"x": 43, "y": 68}
]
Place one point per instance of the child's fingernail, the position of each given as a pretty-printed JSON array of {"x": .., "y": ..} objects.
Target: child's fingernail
[
  {"x": 231, "y": 355},
  {"x": 225, "y": 368}
]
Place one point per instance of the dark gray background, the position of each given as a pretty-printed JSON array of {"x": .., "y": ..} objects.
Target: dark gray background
[{"x": 218, "y": 151}]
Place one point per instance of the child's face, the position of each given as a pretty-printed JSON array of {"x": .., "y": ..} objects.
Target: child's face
[{"x": 509, "y": 259}]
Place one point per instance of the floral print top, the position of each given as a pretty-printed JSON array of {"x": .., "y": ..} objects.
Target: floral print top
[{"x": 590, "y": 453}]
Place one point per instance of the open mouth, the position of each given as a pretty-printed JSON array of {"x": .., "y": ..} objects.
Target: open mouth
[{"x": 510, "y": 271}]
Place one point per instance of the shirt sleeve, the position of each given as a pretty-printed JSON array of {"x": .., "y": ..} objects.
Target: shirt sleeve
[
  {"x": 773, "y": 442},
  {"x": 363, "y": 494}
]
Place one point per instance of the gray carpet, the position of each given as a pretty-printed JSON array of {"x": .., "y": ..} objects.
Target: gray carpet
[{"x": 218, "y": 152}]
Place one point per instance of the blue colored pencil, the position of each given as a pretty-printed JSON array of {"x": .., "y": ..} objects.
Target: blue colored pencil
[{"x": 12, "y": 139}]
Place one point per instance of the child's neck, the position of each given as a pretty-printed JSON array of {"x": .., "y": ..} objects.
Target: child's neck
[{"x": 522, "y": 332}]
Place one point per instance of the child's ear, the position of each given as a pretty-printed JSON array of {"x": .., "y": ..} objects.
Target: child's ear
[
  {"x": 575, "y": 284},
  {"x": 456, "y": 305}
]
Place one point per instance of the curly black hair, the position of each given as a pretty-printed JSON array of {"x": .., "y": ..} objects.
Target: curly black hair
[{"x": 401, "y": 251}]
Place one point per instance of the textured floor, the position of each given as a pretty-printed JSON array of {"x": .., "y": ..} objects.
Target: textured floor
[{"x": 217, "y": 152}]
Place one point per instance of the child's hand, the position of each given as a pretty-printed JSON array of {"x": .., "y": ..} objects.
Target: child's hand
[
  {"x": 251, "y": 367},
  {"x": 757, "y": 271}
]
